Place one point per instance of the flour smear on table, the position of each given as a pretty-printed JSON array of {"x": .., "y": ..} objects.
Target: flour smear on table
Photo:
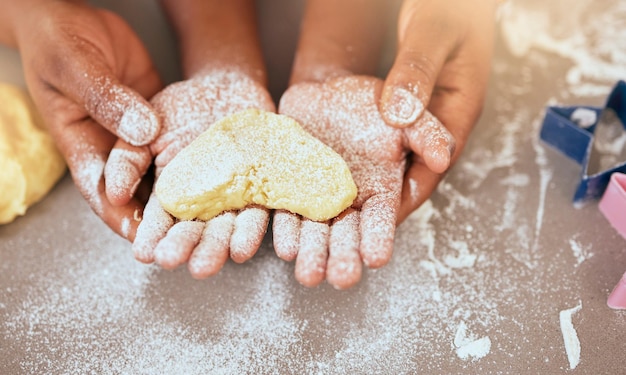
[{"x": 570, "y": 337}]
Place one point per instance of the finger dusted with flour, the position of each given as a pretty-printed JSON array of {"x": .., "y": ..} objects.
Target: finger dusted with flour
[
  {"x": 89, "y": 76},
  {"x": 441, "y": 67},
  {"x": 223, "y": 73},
  {"x": 103, "y": 76}
]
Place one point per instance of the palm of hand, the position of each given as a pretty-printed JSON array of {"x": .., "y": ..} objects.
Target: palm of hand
[
  {"x": 343, "y": 114},
  {"x": 187, "y": 109}
]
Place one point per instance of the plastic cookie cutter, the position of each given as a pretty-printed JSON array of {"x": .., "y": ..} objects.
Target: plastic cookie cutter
[
  {"x": 617, "y": 298},
  {"x": 613, "y": 203},
  {"x": 593, "y": 137},
  {"x": 613, "y": 206}
]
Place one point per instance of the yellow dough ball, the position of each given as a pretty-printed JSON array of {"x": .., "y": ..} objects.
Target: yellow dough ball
[
  {"x": 256, "y": 157},
  {"x": 30, "y": 164}
]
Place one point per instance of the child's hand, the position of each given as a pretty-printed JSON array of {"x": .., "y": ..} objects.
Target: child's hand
[
  {"x": 187, "y": 109},
  {"x": 343, "y": 113},
  {"x": 88, "y": 74},
  {"x": 442, "y": 64}
]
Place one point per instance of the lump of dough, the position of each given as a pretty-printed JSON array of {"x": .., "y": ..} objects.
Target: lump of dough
[
  {"x": 30, "y": 164},
  {"x": 256, "y": 157}
]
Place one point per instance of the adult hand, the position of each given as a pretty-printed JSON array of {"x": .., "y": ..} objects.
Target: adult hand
[
  {"x": 88, "y": 74},
  {"x": 442, "y": 64},
  {"x": 187, "y": 109},
  {"x": 343, "y": 113}
]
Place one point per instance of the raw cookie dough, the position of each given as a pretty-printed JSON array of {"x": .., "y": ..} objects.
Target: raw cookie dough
[
  {"x": 30, "y": 164},
  {"x": 256, "y": 157}
]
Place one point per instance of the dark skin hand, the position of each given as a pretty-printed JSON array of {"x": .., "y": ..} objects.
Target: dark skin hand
[
  {"x": 224, "y": 74},
  {"x": 187, "y": 109},
  {"x": 343, "y": 113},
  {"x": 434, "y": 91},
  {"x": 89, "y": 75},
  {"x": 442, "y": 64}
]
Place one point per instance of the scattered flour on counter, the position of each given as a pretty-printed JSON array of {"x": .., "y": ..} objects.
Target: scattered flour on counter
[
  {"x": 75, "y": 317},
  {"x": 427, "y": 239},
  {"x": 481, "y": 164},
  {"x": 467, "y": 346},
  {"x": 253, "y": 339},
  {"x": 581, "y": 253},
  {"x": 464, "y": 259},
  {"x": 102, "y": 285},
  {"x": 89, "y": 170},
  {"x": 594, "y": 42},
  {"x": 503, "y": 151},
  {"x": 570, "y": 337},
  {"x": 439, "y": 285},
  {"x": 545, "y": 175},
  {"x": 516, "y": 179}
]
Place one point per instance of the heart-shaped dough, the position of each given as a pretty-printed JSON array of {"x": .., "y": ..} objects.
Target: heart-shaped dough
[{"x": 256, "y": 157}]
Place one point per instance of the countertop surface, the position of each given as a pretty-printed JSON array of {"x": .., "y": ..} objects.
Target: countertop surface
[{"x": 497, "y": 273}]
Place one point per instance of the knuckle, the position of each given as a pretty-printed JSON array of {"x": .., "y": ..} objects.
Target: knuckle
[{"x": 418, "y": 65}]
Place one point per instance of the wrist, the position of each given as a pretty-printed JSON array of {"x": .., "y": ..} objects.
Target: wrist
[
  {"x": 306, "y": 69},
  {"x": 340, "y": 38},
  {"x": 217, "y": 36},
  {"x": 233, "y": 71}
]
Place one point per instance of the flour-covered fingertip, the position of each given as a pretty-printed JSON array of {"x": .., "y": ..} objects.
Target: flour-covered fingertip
[{"x": 400, "y": 107}]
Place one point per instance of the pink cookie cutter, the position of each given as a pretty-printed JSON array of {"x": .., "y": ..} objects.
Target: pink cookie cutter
[
  {"x": 613, "y": 207},
  {"x": 613, "y": 203}
]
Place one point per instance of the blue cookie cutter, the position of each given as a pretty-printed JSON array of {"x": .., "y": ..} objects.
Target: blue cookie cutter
[{"x": 561, "y": 132}]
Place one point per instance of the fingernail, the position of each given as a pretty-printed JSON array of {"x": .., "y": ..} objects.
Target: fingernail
[
  {"x": 402, "y": 107},
  {"x": 451, "y": 147},
  {"x": 138, "y": 125}
]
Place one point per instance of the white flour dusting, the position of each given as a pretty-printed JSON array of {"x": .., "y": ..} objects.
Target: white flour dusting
[
  {"x": 545, "y": 175},
  {"x": 122, "y": 110},
  {"x": 594, "y": 42},
  {"x": 581, "y": 252},
  {"x": 467, "y": 346},
  {"x": 464, "y": 259},
  {"x": 570, "y": 337},
  {"x": 88, "y": 172}
]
